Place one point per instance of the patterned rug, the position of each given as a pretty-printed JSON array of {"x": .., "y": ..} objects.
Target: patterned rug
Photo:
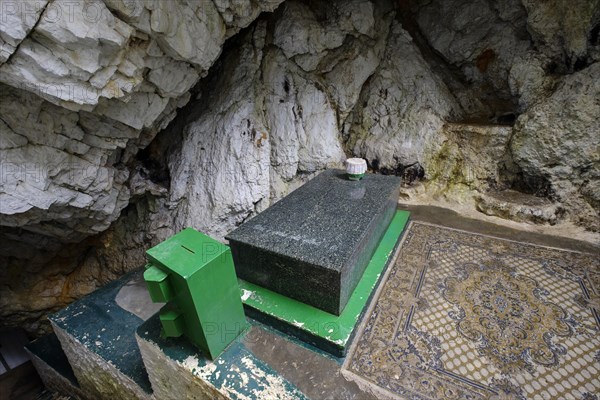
[{"x": 466, "y": 316}]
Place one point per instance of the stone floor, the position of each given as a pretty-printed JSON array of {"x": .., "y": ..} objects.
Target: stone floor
[{"x": 451, "y": 219}]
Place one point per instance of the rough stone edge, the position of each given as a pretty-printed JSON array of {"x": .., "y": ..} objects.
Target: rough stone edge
[
  {"x": 53, "y": 380},
  {"x": 117, "y": 385},
  {"x": 172, "y": 381},
  {"x": 468, "y": 209},
  {"x": 542, "y": 214}
]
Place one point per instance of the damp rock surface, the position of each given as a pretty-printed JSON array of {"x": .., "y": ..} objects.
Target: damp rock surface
[
  {"x": 520, "y": 207},
  {"x": 122, "y": 122}
]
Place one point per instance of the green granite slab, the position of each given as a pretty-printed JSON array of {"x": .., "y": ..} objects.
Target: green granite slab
[
  {"x": 314, "y": 244},
  {"x": 326, "y": 331}
]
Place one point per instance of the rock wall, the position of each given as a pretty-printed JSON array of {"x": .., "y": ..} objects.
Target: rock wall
[
  {"x": 85, "y": 86},
  {"x": 121, "y": 122},
  {"x": 272, "y": 115},
  {"x": 558, "y": 140}
]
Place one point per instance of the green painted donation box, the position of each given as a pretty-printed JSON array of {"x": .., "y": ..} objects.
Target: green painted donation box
[{"x": 195, "y": 276}]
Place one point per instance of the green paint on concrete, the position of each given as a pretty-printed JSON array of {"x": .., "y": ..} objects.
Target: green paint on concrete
[
  {"x": 326, "y": 331},
  {"x": 194, "y": 274},
  {"x": 104, "y": 328},
  {"x": 237, "y": 371}
]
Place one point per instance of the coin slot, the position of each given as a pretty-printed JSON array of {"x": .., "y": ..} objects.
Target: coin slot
[{"x": 190, "y": 250}]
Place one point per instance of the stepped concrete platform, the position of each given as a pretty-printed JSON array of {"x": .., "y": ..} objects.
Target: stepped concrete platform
[
  {"x": 96, "y": 335},
  {"x": 314, "y": 244},
  {"x": 52, "y": 365},
  {"x": 111, "y": 339},
  {"x": 98, "y": 338},
  {"x": 178, "y": 370}
]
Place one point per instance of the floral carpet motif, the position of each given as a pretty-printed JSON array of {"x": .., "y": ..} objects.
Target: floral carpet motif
[{"x": 466, "y": 316}]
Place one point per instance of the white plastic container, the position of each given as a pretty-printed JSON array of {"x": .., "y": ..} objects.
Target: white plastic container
[{"x": 356, "y": 168}]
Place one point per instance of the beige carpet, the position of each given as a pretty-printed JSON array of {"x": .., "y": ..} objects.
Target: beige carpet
[{"x": 466, "y": 316}]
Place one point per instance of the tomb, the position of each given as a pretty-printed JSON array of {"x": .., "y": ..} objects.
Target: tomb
[{"x": 315, "y": 244}]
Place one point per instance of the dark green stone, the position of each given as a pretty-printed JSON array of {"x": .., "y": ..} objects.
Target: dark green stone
[
  {"x": 106, "y": 329},
  {"x": 49, "y": 350},
  {"x": 314, "y": 244}
]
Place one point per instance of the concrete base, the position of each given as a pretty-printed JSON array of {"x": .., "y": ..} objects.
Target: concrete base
[
  {"x": 177, "y": 370},
  {"x": 263, "y": 363},
  {"x": 99, "y": 379},
  {"x": 97, "y": 336},
  {"x": 53, "y": 367},
  {"x": 254, "y": 367}
]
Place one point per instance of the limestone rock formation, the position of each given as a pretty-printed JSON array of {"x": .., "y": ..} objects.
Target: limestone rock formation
[
  {"x": 468, "y": 161},
  {"x": 84, "y": 86},
  {"x": 15, "y": 24},
  {"x": 402, "y": 109},
  {"x": 481, "y": 38},
  {"x": 517, "y": 206},
  {"x": 121, "y": 121},
  {"x": 222, "y": 170},
  {"x": 87, "y": 85},
  {"x": 273, "y": 115},
  {"x": 55, "y": 178},
  {"x": 557, "y": 141},
  {"x": 563, "y": 30}
]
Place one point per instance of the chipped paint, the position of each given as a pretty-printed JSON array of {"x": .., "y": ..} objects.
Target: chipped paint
[
  {"x": 247, "y": 362},
  {"x": 246, "y": 294},
  {"x": 275, "y": 387},
  {"x": 206, "y": 371},
  {"x": 190, "y": 362},
  {"x": 237, "y": 373},
  {"x": 236, "y": 395}
]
